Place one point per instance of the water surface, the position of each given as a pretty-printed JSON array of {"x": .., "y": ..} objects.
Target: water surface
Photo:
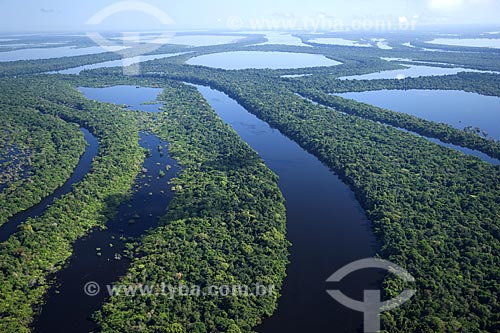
[
  {"x": 54, "y": 52},
  {"x": 325, "y": 224},
  {"x": 83, "y": 167},
  {"x": 340, "y": 41},
  {"x": 456, "y": 108},
  {"x": 131, "y": 96},
  {"x": 478, "y": 42},
  {"x": 382, "y": 43},
  {"x": 172, "y": 38},
  {"x": 204, "y": 40},
  {"x": 466, "y": 151},
  {"x": 99, "y": 257},
  {"x": 260, "y": 60},
  {"x": 411, "y": 71},
  {"x": 115, "y": 63},
  {"x": 278, "y": 38}
]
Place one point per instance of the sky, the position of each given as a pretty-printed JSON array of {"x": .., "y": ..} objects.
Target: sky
[{"x": 64, "y": 15}]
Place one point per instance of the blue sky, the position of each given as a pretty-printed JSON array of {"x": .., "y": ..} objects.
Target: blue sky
[{"x": 44, "y": 15}]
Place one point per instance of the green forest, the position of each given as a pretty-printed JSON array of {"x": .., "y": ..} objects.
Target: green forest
[
  {"x": 42, "y": 245},
  {"x": 434, "y": 210},
  {"x": 226, "y": 198},
  {"x": 225, "y": 226},
  {"x": 39, "y": 154}
]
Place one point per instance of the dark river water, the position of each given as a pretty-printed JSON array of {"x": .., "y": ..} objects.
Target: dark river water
[
  {"x": 100, "y": 257},
  {"x": 325, "y": 223},
  {"x": 83, "y": 167},
  {"x": 327, "y": 226}
]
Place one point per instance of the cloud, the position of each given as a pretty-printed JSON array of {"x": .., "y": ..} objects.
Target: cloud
[{"x": 47, "y": 11}]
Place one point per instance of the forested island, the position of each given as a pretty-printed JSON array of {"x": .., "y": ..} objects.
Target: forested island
[{"x": 434, "y": 210}]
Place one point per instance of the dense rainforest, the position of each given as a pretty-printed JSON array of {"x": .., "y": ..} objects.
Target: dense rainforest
[
  {"x": 42, "y": 245},
  {"x": 225, "y": 227},
  {"x": 39, "y": 154},
  {"x": 435, "y": 210},
  {"x": 225, "y": 185},
  {"x": 411, "y": 123}
]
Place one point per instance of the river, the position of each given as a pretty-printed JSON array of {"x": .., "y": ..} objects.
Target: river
[
  {"x": 325, "y": 223},
  {"x": 83, "y": 167},
  {"x": 99, "y": 257},
  {"x": 466, "y": 151}
]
